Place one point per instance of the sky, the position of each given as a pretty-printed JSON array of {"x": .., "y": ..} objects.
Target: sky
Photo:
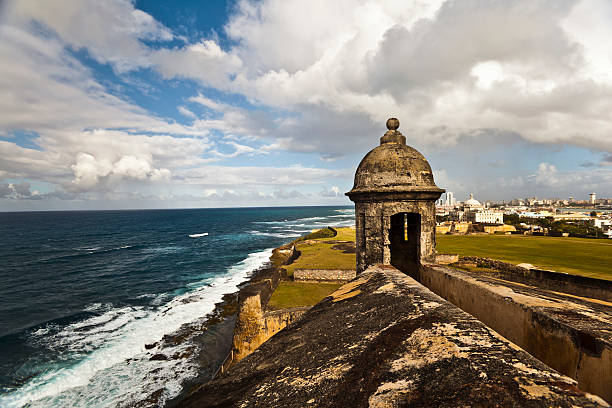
[{"x": 180, "y": 104}]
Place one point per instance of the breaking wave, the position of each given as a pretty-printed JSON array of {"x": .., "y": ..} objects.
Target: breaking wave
[{"x": 114, "y": 367}]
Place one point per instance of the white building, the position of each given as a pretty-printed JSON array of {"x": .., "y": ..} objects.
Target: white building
[
  {"x": 593, "y": 197},
  {"x": 450, "y": 199},
  {"x": 472, "y": 210},
  {"x": 602, "y": 223},
  {"x": 486, "y": 217}
]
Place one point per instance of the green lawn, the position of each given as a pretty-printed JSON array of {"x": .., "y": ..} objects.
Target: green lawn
[
  {"x": 579, "y": 256},
  {"x": 296, "y": 294},
  {"x": 320, "y": 255},
  {"x": 344, "y": 234}
]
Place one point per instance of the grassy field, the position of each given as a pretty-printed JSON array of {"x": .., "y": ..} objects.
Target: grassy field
[
  {"x": 296, "y": 294},
  {"x": 320, "y": 255},
  {"x": 579, "y": 256}
]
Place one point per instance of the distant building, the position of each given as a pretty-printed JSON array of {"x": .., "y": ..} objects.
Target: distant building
[
  {"x": 593, "y": 197},
  {"x": 473, "y": 211},
  {"x": 537, "y": 214},
  {"x": 571, "y": 216},
  {"x": 472, "y": 204},
  {"x": 485, "y": 217},
  {"x": 450, "y": 199}
]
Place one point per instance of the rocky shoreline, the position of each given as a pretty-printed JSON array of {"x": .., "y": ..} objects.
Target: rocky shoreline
[{"x": 211, "y": 336}]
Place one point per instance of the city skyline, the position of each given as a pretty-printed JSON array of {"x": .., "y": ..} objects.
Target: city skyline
[{"x": 141, "y": 104}]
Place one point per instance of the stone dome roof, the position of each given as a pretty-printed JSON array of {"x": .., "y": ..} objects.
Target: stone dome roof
[
  {"x": 472, "y": 202},
  {"x": 394, "y": 167}
]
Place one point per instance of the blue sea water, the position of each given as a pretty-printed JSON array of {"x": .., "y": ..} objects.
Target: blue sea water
[{"x": 81, "y": 293}]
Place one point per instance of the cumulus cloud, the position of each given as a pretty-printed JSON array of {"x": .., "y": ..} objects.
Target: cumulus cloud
[
  {"x": 251, "y": 195},
  {"x": 321, "y": 84},
  {"x": 548, "y": 181},
  {"x": 111, "y": 31},
  {"x": 212, "y": 176},
  {"x": 89, "y": 171},
  {"x": 334, "y": 191},
  {"x": 447, "y": 70},
  {"x": 546, "y": 175},
  {"x": 23, "y": 191},
  {"x": 204, "y": 61}
]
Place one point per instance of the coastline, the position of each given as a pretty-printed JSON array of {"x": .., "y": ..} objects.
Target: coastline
[
  {"x": 214, "y": 333},
  {"x": 179, "y": 325},
  {"x": 247, "y": 317}
]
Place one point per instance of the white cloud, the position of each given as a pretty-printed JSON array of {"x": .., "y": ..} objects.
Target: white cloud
[
  {"x": 204, "y": 61},
  {"x": 366, "y": 58},
  {"x": 186, "y": 112},
  {"x": 89, "y": 171},
  {"x": 248, "y": 176},
  {"x": 334, "y": 191},
  {"x": 322, "y": 83},
  {"x": 109, "y": 30},
  {"x": 546, "y": 175}
]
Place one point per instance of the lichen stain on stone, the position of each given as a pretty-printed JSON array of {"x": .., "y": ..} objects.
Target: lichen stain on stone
[
  {"x": 430, "y": 305},
  {"x": 425, "y": 347},
  {"x": 534, "y": 391},
  {"x": 503, "y": 339},
  {"x": 522, "y": 367},
  {"x": 507, "y": 292},
  {"x": 388, "y": 395},
  {"x": 333, "y": 372}
]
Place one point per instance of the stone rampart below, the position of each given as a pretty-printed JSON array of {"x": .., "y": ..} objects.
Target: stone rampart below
[
  {"x": 334, "y": 275},
  {"x": 356, "y": 349},
  {"x": 254, "y": 326},
  {"x": 551, "y": 280},
  {"x": 569, "y": 333},
  {"x": 276, "y": 320}
]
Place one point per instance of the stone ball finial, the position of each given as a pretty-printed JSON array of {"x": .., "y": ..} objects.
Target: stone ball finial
[{"x": 392, "y": 123}]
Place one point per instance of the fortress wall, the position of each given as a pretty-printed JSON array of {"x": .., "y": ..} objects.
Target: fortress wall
[
  {"x": 384, "y": 340},
  {"x": 254, "y": 326},
  {"x": 557, "y": 332},
  {"x": 252, "y": 300},
  {"x": 334, "y": 275},
  {"x": 551, "y": 280},
  {"x": 277, "y": 320}
]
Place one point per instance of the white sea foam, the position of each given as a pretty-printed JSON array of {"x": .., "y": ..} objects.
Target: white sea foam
[
  {"x": 164, "y": 250},
  {"x": 276, "y": 234},
  {"x": 117, "y": 369},
  {"x": 203, "y": 234}
]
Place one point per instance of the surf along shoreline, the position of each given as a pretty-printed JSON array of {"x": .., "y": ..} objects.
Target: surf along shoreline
[
  {"x": 226, "y": 335},
  {"x": 213, "y": 333}
]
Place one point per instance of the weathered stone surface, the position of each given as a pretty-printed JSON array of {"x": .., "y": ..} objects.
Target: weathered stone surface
[
  {"x": 249, "y": 330},
  {"x": 572, "y": 334},
  {"x": 336, "y": 275},
  {"x": 445, "y": 259},
  {"x": 384, "y": 340}
]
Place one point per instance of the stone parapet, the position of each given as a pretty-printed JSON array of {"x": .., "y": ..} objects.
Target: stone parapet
[
  {"x": 334, "y": 275},
  {"x": 446, "y": 258},
  {"x": 384, "y": 340},
  {"x": 551, "y": 280},
  {"x": 572, "y": 334}
]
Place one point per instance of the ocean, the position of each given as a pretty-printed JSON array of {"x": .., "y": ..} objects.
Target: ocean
[{"x": 83, "y": 292}]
